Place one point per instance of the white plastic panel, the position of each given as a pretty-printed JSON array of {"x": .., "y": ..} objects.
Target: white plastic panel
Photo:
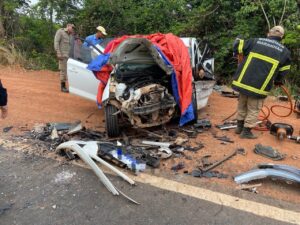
[{"x": 82, "y": 81}]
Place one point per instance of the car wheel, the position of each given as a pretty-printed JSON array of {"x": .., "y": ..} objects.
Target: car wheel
[
  {"x": 194, "y": 102},
  {"x": 111, "y": 121}
]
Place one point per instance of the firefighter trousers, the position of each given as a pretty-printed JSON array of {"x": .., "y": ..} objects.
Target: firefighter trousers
[{"x": 248, "y": 109}]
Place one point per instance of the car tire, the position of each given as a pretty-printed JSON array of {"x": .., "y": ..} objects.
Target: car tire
[
  {"x": 194, "y": 103},
  {"x": 111, "y": 121}
]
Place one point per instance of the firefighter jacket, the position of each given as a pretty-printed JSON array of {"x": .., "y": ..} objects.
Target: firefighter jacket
[
  {"x": 265, "y": 61},
  {"x": 62, "y": 43}
]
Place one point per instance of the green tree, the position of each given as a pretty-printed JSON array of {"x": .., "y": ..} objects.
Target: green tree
[{"x": 9, "y": 16}]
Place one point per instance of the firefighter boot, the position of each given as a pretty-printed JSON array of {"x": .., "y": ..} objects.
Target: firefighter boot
[
  {"x": 63, "y": 87},
  {"x": 240, "y": 126},
  {"x": 247, "y": 134}
]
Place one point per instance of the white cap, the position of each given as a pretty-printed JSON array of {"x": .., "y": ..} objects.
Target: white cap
[{"x": 102, "y": 30}]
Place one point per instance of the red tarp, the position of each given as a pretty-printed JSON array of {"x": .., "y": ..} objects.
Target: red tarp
[{"x": 176, "y": 52}]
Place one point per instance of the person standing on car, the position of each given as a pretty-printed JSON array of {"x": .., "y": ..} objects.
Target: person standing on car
[
  {"x": 96, "y": 38},
  {"x": 3, "y": 101},
  {"x": 266, "y": 61},
  {"x": 62, "y": 46}
]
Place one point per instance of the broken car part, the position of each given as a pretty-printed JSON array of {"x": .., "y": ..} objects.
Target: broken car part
[
  {"x": 89, "y": 151},
  {"x": 230, "y": 125},
  {"x": 232, "y": 94},
  {"x": 92, "y": 148},
  {"x": 219, "y": 162},
  {"x": 280, "y": 167},
  {"x": 208, "y": 174},
  {"x": 257, "y": 174},
  {"x": 294, "y": 138},
  {"x": 159, "y": 144},
  {"x": 75, "y": 129},
  {"x": 63, "y": 126},
  {"x": 227, "y": 125},
  {"x": 164, "y": 153},
  {"x": 204, "y": 123},
  {"x": 87, "y": 159},
  {"x": 249, "y": 187},
  {"x": 281, "y": 130},
  {"x": 224, "y": 138},
  {"x": 269, "y": 152},
  {"x": 131, "y": 162}
]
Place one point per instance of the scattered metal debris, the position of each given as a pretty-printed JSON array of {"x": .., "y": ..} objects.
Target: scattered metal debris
[
  {"x": 205, "y": 169},
  {"x": 241, "y": 151},
  {"x": 64, "y": 126},
  {"x": 249, "y": 187},
  {"x": 294, "y": 138},
  {"x": 159, "y": 144},
  {"x": 54, "y": 134},
  {"x": 227, "y": 125},
  {"x": 194, "y": 149},
  {"x": 75, "y": 129},
  {"x": 204, "y": 123},
  {"x": 205, "y": 162},
  {"x": 164, "y": 153},
  {"x": 268, "y": 152},
  {"x": 208, "y": 174},
  {"x": 151, "y": 160},
  {"x": 280, "y": 167},
  {"x": 88, "y": 151},
  {"x": 224, "y": 139}
]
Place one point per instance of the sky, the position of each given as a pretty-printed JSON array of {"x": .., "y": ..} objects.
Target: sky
[{"x": 33, "y": 2}]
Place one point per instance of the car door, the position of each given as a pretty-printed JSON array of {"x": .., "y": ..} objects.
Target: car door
[{"x": 82, "y": 81}]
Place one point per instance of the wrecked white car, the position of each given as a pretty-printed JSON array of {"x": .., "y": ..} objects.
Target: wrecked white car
[{"x": 140, "y": 87}]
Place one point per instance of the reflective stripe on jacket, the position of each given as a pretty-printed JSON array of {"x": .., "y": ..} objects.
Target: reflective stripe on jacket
[{"x": 265, "y": 61}]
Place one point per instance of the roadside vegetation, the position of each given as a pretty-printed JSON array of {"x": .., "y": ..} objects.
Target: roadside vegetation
[{"x": 27, "y": 31}]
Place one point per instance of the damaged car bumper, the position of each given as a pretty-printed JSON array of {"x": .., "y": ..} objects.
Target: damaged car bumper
[{"x": 282, "y": 172}]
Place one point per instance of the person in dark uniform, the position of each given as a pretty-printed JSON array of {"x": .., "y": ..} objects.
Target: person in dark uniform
[
  {"x": 266, "y": 62},
  {"x": 3, "y": 101}
]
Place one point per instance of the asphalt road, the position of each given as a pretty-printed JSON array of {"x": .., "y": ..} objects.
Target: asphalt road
[{"x": 35, "y": 190}]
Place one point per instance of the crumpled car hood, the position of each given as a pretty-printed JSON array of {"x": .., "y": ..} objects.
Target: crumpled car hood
[{"x": 138, "y": 51}]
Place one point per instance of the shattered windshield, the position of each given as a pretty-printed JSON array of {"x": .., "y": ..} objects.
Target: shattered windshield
[{"x": 85, "y": 54}]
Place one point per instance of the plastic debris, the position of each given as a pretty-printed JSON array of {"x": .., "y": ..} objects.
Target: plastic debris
[{"x": 178, "y": 166}]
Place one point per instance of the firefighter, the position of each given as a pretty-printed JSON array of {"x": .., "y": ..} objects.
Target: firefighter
[
  {"x": 62, "y": 46},
  {"x": 266, "y": 61}
]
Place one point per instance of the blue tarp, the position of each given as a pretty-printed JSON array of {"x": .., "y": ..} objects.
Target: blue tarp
[{"x": 187, "y": 116}]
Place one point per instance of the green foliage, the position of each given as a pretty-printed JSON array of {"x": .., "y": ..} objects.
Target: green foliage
[{"x": 217, "y": 22}]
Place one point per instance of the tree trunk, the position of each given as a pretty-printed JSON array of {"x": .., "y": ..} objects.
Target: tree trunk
[{"x": 2, "y": 30}]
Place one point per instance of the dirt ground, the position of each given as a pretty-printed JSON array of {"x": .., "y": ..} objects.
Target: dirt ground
[{"x": 35, "y": 97}]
